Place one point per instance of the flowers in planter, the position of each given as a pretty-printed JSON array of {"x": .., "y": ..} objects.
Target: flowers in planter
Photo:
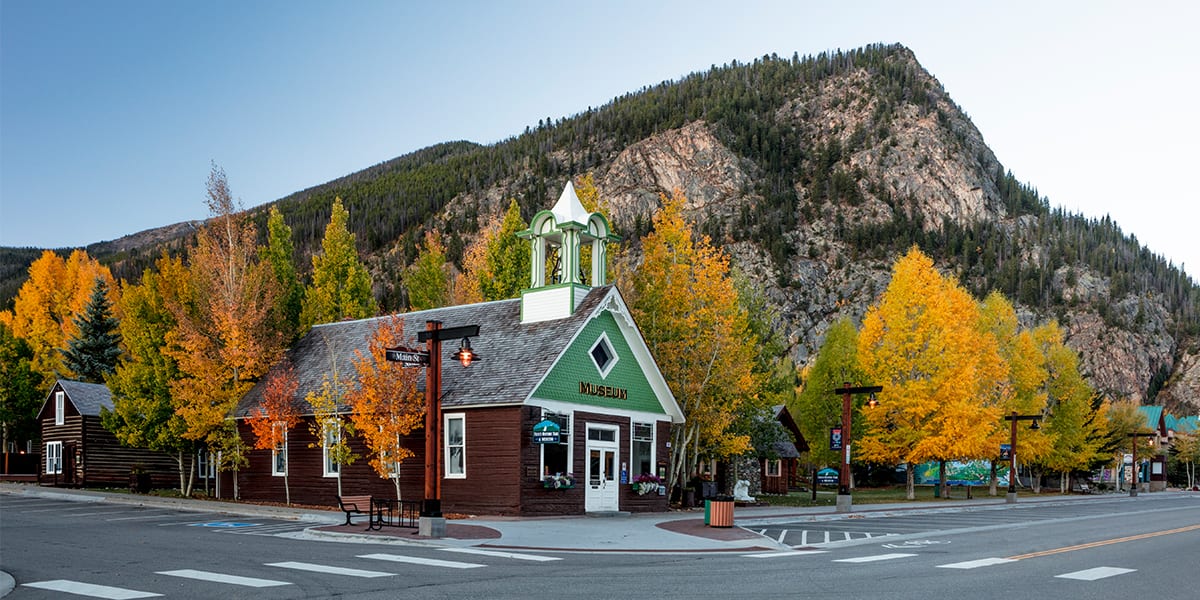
[
  {"x": 647, "y": 484},
  {"x": 559, "y": 481}
]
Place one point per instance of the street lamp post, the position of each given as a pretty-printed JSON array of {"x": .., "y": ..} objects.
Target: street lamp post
[
  {"x": 1134, "y": 483},
  {"x": 432, "y": 523},
  {"x": 844, "y": 500},
  {"x": 1011, "y": 497}
]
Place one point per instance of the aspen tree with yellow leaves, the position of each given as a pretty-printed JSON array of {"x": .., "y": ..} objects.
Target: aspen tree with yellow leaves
[
  {"x": 685, "y": 301},
  {"x": 922, "y": 342},
  {"x": 1024, "y": 392},
  {"x": 45, "y": 309},
  {"x": 223, "y": 340}
]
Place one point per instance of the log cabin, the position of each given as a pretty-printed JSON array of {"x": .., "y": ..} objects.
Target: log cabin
[{"x": 78, "y": 451}]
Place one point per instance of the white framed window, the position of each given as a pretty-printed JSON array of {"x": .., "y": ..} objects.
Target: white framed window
[
  {"x": 206, "y": 467},
  {"x": 333, "y": 437},
  {"x": 60, "y": 407},
  {"x": 774, "y": 467},
  {"x": 603, "y": 355},
  {"x": 556, "y": 458},
  {"x": 642, "y": 449},
  {"x": 454, "y": 434},
  {"x": 279, "y": 455},
  {"x": 53, "y": 458}
]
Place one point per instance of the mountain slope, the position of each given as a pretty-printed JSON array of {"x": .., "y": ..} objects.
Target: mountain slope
[{"x": 815, "y": 173}]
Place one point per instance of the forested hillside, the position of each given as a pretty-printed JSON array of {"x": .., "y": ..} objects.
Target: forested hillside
[{"x": 816, "y": 172}]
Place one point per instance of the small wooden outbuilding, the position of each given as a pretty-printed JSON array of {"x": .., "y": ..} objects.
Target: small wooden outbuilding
[{"x": 77, "y": 451}]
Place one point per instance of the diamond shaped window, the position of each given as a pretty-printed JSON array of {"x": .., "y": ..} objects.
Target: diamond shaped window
[{"x": 603, "y": 355}]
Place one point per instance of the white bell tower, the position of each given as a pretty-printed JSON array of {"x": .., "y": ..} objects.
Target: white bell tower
[{"x": 556, "y": 239}]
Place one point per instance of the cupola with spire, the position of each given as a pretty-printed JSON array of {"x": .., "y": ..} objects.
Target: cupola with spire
[{"x": 557, "y": 237}]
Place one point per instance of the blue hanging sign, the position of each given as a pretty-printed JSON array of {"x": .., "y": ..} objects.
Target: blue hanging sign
[{"x": 547, "y": 432}]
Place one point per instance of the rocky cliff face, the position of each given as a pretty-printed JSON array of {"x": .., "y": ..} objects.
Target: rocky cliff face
[{"x": 934, "y": 160}]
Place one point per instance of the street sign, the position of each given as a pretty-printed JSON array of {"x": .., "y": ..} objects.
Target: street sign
[
  {"x": 1005, "y": 451},
  {"x": 407, "y": 357}
]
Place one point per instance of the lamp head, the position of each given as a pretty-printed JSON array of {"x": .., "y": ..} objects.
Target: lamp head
[
  {"x": 465, "y": 354},
  {"x": 1035, "y": 425},
  {"x": 871, "y": 401}
]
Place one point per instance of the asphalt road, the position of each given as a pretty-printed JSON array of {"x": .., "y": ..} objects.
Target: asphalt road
[{"x": 1148, "y": 546}]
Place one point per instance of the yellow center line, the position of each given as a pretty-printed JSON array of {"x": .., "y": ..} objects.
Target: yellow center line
[{"x": 1131, "y": 538}]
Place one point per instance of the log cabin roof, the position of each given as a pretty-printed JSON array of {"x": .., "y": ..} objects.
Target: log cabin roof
[
  {"x": 88, "y": 398},
  {"x": 513, "y": 356}
]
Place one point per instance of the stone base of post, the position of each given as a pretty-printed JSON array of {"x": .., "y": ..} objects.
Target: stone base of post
[
  {"x": 844, "y": 503},
  {"x": 1010, "y": 498},
  {"x": 434, "y": 527}
]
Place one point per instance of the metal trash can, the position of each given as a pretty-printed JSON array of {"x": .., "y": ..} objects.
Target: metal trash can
[{"x": 718, "y": 512}]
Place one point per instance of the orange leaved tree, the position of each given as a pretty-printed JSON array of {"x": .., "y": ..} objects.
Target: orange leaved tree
[
  {"x": 275, "y": 415},
  {"x": 385, "y": 406}
]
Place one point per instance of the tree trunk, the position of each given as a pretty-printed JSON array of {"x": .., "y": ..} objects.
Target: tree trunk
[
  {"x": 1035, "y": 480},
  {"x": 910, "y": 481},
  {"x": 993, "y": 480},
  {"x": 287, "y": 490},
  {"x": 182, "y": 475},
  {"x": 942, "y": 487}
]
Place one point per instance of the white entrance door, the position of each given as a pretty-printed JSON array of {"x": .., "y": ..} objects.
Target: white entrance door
[{"x": 601, "y": 473}]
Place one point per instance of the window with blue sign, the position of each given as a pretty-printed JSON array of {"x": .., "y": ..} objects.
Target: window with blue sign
[{"x": 556, "y": 456}]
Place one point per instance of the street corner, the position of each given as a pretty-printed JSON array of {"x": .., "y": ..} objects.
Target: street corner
[{"x": 697, "y": 528}]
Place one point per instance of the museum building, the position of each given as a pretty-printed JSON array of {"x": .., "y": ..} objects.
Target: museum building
[{"x": 561, "y": 412}]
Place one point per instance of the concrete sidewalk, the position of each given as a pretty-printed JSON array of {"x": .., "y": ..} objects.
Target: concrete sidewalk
[{"x": 674, "y": 531}]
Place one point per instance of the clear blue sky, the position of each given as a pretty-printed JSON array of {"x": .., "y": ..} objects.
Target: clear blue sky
[{"x": 110, "y": 112}]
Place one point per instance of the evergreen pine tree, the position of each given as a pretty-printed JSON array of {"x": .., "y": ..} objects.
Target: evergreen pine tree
[{"x": 93, "y": 353}]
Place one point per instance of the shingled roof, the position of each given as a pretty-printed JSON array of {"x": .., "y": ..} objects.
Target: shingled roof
[
  {"x": 513, "y": 356},
  {"x": 88, "y": 398}
]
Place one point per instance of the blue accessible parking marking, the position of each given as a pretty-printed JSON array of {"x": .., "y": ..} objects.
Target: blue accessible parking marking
[{"x": 223, "y": 524}]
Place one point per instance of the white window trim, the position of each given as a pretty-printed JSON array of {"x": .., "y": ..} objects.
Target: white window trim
[
  {"x": 603, "y": 339},
  {"x": 446, "y": 445},
  {"x": 54, "y": 458},
  {"x": 206, "y": 464},
  {"x": 653, "y": 446},
  {"x": 60, "y": 407},
  {"x": 325, "y": 458},
  {"x": 275, "y": 452},
  {"x": 570, "y": 442}
]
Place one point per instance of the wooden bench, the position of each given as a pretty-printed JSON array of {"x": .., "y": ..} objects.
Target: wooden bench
[
  {"x": 1084, "y": 488},
  {"x": 355, "y": 504}
]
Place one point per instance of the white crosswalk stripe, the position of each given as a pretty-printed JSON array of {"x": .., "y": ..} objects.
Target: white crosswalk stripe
[
  {"x": 1096, "y": 573},
  {"x": 786, "y": 553},
  {"x": 415, "y": 560},
  {"x": 975, "y": 564},
  {"x": 224, "y": 578},
  {"x": 315, "y": 568},
  {"x": 874, "y": 558},
  {"x": 499, "y": 554},
  {"x": 90, "y": 589}
]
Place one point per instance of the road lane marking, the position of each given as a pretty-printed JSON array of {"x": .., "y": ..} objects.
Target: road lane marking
[
  {"x": 223, "y": 578},
  {"x": 1094, "y": 574},
  {"x": 784, "y": 553},
  {"x": 413, "y": 560},
  {"x": 975, "y": 564},
  {"x": 1130, "y": 538},
  {"x": 782, "y": 534},
  {"x": 498, "y": 554},
  {"x": 143, "y": 517},
  {"x": 315, "y": 568},
  {"x": 90, "y": 589},
  {"x": 863, "y": 559},
  {"x": 92, "y": 514}
]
